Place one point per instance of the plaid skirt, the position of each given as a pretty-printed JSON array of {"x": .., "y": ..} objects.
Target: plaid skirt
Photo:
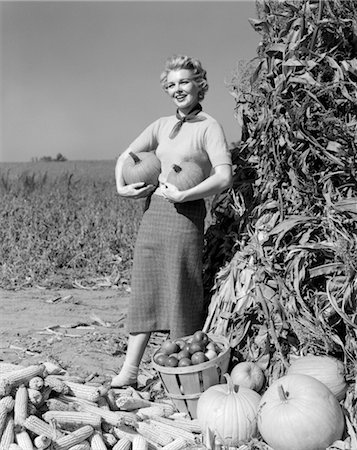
[{"x": 166, "y": 282}]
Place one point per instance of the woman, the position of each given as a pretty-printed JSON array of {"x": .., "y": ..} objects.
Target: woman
[{"x": 167, "y": 288}]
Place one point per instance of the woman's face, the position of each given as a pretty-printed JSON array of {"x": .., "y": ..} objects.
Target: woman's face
[{"x": 182, "y": 88}]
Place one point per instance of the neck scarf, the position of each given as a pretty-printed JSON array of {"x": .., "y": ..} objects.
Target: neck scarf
[{"x": 190, "y": 117}]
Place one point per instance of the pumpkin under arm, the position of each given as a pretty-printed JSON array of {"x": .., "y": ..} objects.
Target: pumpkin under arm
[
  {"x": 220, "y": 180},
  {"x": 135, "y": 190}
]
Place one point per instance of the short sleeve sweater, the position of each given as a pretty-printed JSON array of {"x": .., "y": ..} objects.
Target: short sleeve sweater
[{"x": 202, "y": 141}]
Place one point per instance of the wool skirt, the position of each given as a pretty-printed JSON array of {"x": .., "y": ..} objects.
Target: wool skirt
[{"x": 166, "y": 281}]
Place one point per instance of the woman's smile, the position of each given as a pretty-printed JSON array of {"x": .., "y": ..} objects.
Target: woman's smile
[{"x": 183, "y": 89}]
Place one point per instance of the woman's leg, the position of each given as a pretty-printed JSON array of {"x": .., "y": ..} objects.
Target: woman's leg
[{"x": 129, "y": 372}]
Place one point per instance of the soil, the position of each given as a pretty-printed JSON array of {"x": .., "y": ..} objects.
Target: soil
[{"x": 81, "y": 330}]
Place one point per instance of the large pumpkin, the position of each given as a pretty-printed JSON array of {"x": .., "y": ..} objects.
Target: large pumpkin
[
  {"x": 229, "y": 413},
  {"x": 330, "y": 371},
  {"x": 144, "y": 167},
  {"x": 298, "y": 412},
  {"x": 185, "y": 175}
]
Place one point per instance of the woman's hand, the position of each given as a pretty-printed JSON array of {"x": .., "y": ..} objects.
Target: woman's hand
[
  {"x": 136, "y": 190},
  {"x": 171, "y": 193}
]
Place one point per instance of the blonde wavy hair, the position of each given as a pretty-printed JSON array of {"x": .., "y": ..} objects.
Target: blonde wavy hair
[{"x": 179, "y": 62}]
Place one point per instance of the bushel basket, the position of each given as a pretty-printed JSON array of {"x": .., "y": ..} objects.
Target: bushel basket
[{"x": 184, "y": 385}]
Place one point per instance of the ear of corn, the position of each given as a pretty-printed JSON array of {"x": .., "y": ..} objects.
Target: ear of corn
[
  {"x": 10, "y": 380},
  {"x": 8, "y": 434},
  {"x": 158, "y": 409},
  {"x": 177, "y": 444},
  {"x": 6, "y": 405},
  {"x": 39, "y": 427},
  {"x": 97, "y": 442},
  {"x": 166, "y": 427},
  {"x": 15, "y": 447},
  {"x": 124, "y": 432},
  {"x": 191, "y": 426},
  {"x": 82, "y": 446},
  {"x": 36, "y": 383},
  {"x": 129, "y": 403},
  {"x": 74, "y": 438},
  {"x": 115, "y": 418},
  {"x": 84, "y": 391},
  {"x": 23, "y": 439},
  {"x": 42, "y": 442},
  {"x": 21, "y": 405},
  {"x": 34, "y": 396},
  {"x": 140, "y": 443},
  {"x": 188, "y": 425},
  {"x": 161, "y": 438},
  {"x": 56, "y": 384},
  {"x": 109, "y": 439},
  {"x": 72, "y": 419},
  {"x": 123, "y": 444}
]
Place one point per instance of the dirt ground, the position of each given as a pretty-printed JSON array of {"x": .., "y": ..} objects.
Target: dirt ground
[{"x": 82, "y": 330}]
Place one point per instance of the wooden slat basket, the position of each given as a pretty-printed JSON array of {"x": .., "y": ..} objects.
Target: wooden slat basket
[{"x": 184, "y": 385}]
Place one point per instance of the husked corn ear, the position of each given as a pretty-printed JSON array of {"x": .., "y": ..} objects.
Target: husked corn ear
[
  {"x": 72, "y": 419},
  {"x": 109, "y": 439},
  {"x": 97, "y": 442},
  {"x": 123, "y": 444},
  {"x": 34, "y": 396},
  {"x": 129, "y": 403},
  {"x": 12, "y": 379},
  {"x": 74, "y": 438},
  {"x": 6, "y": 405},
  {"x": 8, "y": 434},
  {"x": 36, "y": 383},
  {"x": 56, "y": 384},
  {"x": 158, "y": 409},
  {"x": 150, "y": 432},
  {"x": 85, "y": 391},
  {"x": 82, "y": 446},
  {"x": 22, "y": 438},
  {"x": 185, "y": 426},
  {"x": 174, "y": 432},
  {"x": 15, "y": 447},
  {"x": 115, "y": 418},
  {"x": 124, "y": 432},
  {"x": 140, "y": 443},
  {"x": 39, "y": 427},
  {"x": 21, "y": 405},
  {"x": 177, "y": 444},
  {"x": 42, "y": 442}
]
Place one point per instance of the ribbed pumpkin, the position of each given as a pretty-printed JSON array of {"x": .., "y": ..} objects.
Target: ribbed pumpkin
[
  {"x": 298, "y": 412},
  {"x": 330, "y": 371},
  {"x": 185, "y": 175},
  {"x": 229, "y": 413},
  {"x": 144, "y": 167}
]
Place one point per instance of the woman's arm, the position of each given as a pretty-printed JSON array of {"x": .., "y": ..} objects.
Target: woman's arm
[
  {"x": 135, "y": 190},
  {"x": 220, "y": 180}
]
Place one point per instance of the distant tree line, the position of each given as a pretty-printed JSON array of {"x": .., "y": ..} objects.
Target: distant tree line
[{"x": 59, "y": 158}]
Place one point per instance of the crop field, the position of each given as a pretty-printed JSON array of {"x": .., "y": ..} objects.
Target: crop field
[{"x": 63, "y": 223}]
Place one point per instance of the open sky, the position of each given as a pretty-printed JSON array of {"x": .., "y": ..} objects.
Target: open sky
[{"x": 82, "y": 78}]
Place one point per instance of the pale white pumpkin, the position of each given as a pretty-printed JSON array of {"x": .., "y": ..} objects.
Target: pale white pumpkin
[
  {"x": 229, "y": 412},
  {"x": 330, "y": 371},
  {"x": 298, "y": 412}
]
